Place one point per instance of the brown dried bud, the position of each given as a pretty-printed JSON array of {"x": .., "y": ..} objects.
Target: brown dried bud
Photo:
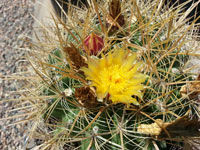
[
  {"x": 183, "y": 126},
  {"x": 114, "y": 8},
  {"x": 115, "y": 13},
  {"x": 86, "y": 97},
  {"x": 74, "y": 55}
]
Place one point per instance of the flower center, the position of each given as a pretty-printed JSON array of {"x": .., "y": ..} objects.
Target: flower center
[{"x": 112, "y": 78}]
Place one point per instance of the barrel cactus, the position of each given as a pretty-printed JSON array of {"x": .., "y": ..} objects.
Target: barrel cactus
[{"x": 114, "y": 76}]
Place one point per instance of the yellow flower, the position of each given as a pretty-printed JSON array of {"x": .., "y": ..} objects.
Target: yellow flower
[{"x": 116, "y": 75}]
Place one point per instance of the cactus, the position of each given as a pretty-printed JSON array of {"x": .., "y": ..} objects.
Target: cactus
[{"x": 112, "y": 77}]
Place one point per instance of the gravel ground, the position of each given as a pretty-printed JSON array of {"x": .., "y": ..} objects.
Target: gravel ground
[{"x": 15, "y": 23}]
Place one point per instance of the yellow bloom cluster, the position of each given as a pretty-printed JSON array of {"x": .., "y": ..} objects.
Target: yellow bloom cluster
[{"x": 116, "y": 75}]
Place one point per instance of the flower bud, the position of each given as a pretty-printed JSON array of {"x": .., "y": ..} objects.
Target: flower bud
[{"x": 93, "y": 43}]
